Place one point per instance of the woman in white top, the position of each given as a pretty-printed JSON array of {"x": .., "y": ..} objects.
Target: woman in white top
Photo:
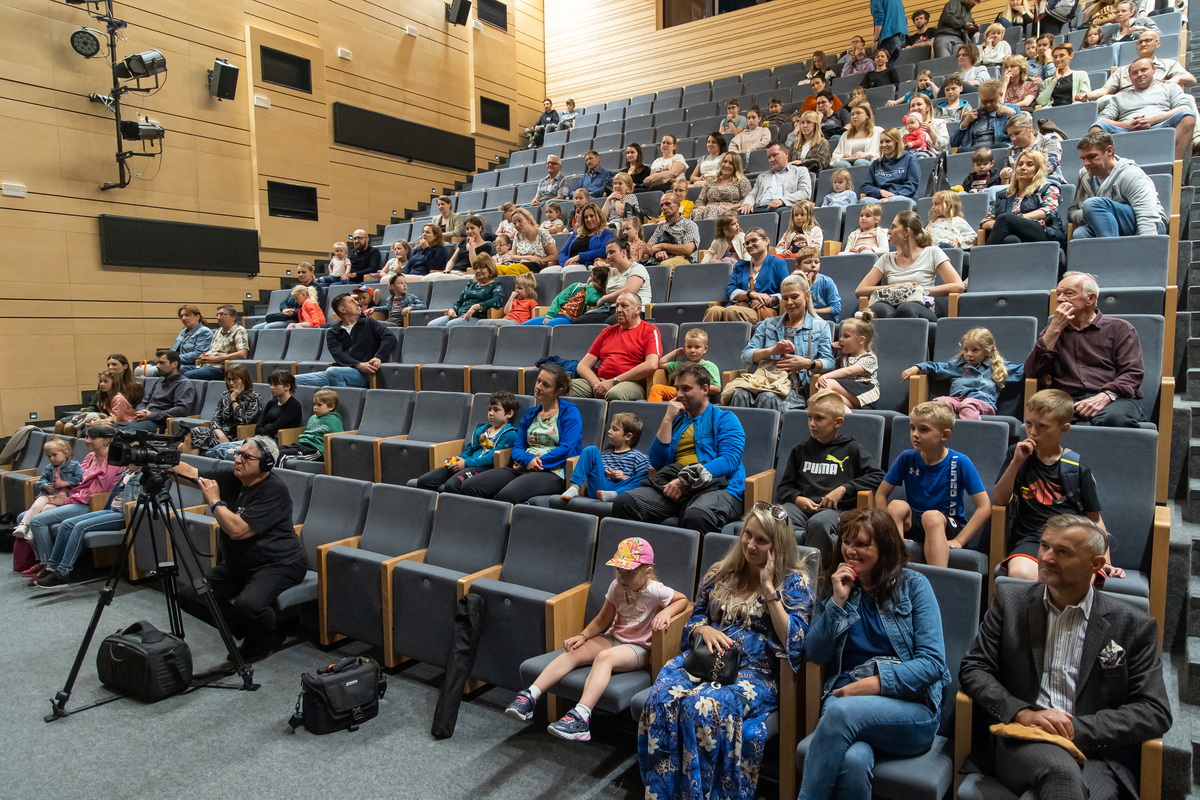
[
  {"x": 755, "y": 137},
  {"x": 447, "y": 220},
  {"x": 936, "y": 128},
  {"x": 916, "y": 262},
  {"x": 401, "y": 250},
  {"x": 532, "y": 246},
  {"x": 624, "y": 275},
  {"x": 859, "y": 145},
  {"x": 667, "y": 167},
  {"x": 708, "y": 165}
]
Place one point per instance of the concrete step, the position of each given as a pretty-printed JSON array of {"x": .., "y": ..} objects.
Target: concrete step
[
  {"x": 1193, "y": 600},
  {"x": 1192, "y": 387},
  {"x": 1189, "y": 690},
  {"x": 1191, "y": 506}
]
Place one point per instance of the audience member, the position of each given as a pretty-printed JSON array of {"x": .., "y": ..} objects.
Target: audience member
[
  {"x": 1016, "y": 15},
  {"x": 624, "y": 275},
  {"x": 902, "y": 283},
  {"x": 595, "y": 178},
  {"x": 693, "y": 351},
  {"x": 554, "y": 186},
  {"x": 446, "y": 219},
  {"x": 574, "y": 300},
  {"x": 724, "y": 191},
  {"x": 325, "y": 420},
  {"x": 238, "y": 405},
  {"x": 194, "y": 339},
  {"x": 547, "y": 122},
  {"x": 552, "y": 219},
  {"x": 173, "y": 396},
  {"x": 477, "y": 298},
  {"x": 857, "y": 61},
  {"x": 506, "y": 226},
  {"x": 868, "y": 237},
  {"x": 58, "y": 478},
  {"x": 758, "y": 601},
  {"x": 755, "y": 137},
  {"x": 729, "y": 242},
  {"x": 921, "y": 33},
  {"x": 634, "y": 166},
  {"x": 1094, "y": 358},
  {"x": 984, "y": 126},
  {"x": 801, "y": 231},
  {"x": 358, "y": 346},
  {"x": 891, "y": 29},
  {"x": 984, "y": 174},
  {"x": 753, "y": 289},
  {"x": 428, "y": 255},
  {"x": 230, "y": 342},
  {"x": 1113, "y": 196},
  {"x": 859, "y": 144},
  {"x": 821, "y": 66},
  {"x": 290, "y": 306},
  {"x": 808, "y": 148},
  {"x": 1016, "y": 87},
  {"x": 895, "y": 173},
  {"x": 995, "y": 49},
  {"x": 365, "y": 261},
  {"x": 621, "y": 204},
  {"x": 1067, "y": 84},
  {"x": 882, "y": 75},
  {"x": 1128, "y": 25},
  {"x": 817, "y": 86},
  {"x": 826, "y": 300},
  {"x": 953, "y": 108},
  {"x": 497, "y": 432},
  {"x": 947, "y": 227},
  {"x": 400, "y": 303},
  {"x": 1147, "y": 105},
  {"x": 1166, "y": 70},
  {"x": 566, "y": 120},
  {"x": 532, "y": 246},
  {"x": 1094, "y": 37},
  {"x": 1057, "y": 657},
  {"x": 1027, "y": 210},
  {"x": 281, "y": 412},
  {"x": 472, "y": 245},
  {"x": 668, "y": 167},
  {"x": 623, "y": 355},
  {"x": 604, "y": 474},
  {"x": 955, "y": 27},
  {"x": 970, "y": 70},
  {"x": 676, "y": 240},
  {"x": 878, "y": 631},
  {"x": 775, "y": 118},
  {"x": 782, "y": 186},
  {"x": 1025, "y": 138},
  {"x": 734, "y": 123},
  {"x": 338, "y": 267},
  {"x": 520, "y": 306},
  {"x": 976, "y": 375},
  {"x": 833, "y": 121},
  {"x": 709, "y": 164}
]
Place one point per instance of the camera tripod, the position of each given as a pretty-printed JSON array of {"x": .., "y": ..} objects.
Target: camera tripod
[{"x": 155, "y": 503}]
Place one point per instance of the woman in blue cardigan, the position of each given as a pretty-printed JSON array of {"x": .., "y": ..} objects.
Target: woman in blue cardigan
[
  {"x": 548, "y": 434},
  {"x": 587, "y": 242},
  {"x": 895, "y": 173},
  {"x": 878, "y": 633},
  {"x": 753, "y": 289}
]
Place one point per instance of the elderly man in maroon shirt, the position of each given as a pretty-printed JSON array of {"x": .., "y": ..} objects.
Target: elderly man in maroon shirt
[{"x": 1095, "y": 359}]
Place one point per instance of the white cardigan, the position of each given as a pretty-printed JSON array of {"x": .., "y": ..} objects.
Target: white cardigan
[{"x": 846, "y": 146}]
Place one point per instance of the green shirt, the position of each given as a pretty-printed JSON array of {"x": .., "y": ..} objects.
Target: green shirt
[
  {"x": 713, "y": 373},
  {"x": 317, "y": 427}
]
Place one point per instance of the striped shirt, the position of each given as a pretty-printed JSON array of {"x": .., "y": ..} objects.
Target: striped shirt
[
  {"x": 631, "y": 462},
  {"x": 1065, "y": 631}
]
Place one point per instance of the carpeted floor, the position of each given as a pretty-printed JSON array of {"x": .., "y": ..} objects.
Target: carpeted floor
[{"x": 230, "y": 744}]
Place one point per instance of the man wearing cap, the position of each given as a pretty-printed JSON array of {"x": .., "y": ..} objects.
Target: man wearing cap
[
  {"x": 173, "y": 396},
  {"x": 98, "y": 478},
  {"x": 230, "y": 341},
  {"x": 260, "y": 554}
]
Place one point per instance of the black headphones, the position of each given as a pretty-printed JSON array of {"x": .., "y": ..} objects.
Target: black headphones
[{"x": 266, "y": 461}]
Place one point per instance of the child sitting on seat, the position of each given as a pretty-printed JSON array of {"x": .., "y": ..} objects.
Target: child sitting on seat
[
  {"x": 553, "y": 223},
  {"x": 497, "y": 433},
  {"x": 869, "y": 237},
  {"x": 521, "y": 304},
  {"x": 827, "y": 301},
  {"x": 310, "y": 314},
  {"x": 843, "y": 193},
  {"x": 695, "y": 348},
  {"x": 60, "y": 475},
  {"x": 325, "y": 419},
  {"x": 947, "y": 226},
  {"x": 574, "y": 300},
  {"x": 339, "y": 265},
  {"x": 855, "y": 377},
  {"x": 402, "y": 303},
  {"x": 802, "y": 231},
  {"x": 607, "y": 473},
  {"x": 976, "y": 375}
]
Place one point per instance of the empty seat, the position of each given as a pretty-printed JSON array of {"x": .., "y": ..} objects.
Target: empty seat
[
  {"x": 464, "y": 346},
  {"x": 517, "y": 349},
  {"x": 1011, "y": 280},
  {"x": 353, "y": 454},
  {"x": 419, "y": 346},
  {"x": 1131, "y": 271},
  {"x": 439, "y": 423}
]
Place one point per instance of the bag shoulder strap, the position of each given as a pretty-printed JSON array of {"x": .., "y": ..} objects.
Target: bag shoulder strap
[{"x": 1072, "y": 476}]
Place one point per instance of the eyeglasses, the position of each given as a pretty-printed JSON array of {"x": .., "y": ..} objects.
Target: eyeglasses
[
  {"x": 753, "y": 239},
  {"x": 242, "y": 455},
  {"x": 776, "y": 512}
]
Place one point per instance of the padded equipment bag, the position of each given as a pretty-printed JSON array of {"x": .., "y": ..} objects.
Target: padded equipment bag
[
  {"x": 339, "y": 697},
  {"x": 144, "y": 662}
]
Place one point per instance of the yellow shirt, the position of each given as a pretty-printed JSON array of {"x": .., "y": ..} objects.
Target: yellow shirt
[{"x": 685, "y": 451}]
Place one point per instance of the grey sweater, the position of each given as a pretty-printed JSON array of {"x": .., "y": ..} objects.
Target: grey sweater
[
  {"x": 1156, "y": 99},
  {"x": 1128, "y": 184}
]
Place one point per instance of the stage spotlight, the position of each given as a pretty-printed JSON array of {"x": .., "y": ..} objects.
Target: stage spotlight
[
  {"x": 139, "y": 66},
  {"x": 86, "y": 42},
  {"x": 143, "y": 130}
]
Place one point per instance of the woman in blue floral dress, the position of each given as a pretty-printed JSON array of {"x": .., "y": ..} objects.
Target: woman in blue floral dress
[{"x": 700, "y": 740}]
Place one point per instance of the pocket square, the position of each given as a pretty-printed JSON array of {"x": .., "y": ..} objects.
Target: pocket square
[{"x": 1113, "y": 655}]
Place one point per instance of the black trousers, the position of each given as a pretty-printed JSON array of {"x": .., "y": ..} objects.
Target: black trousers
[
  {"x": 1014, "y": 229},
  {"x": 511, "y": 486},
  {"x": 1120, "y": 413},
  {"x": 443, "y": 479},
  {"x": 245, "y": 598},
  {"x": 704, "y": 512}
]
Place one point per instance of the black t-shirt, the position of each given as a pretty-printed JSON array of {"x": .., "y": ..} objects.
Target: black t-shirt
[
  {"x": 275, "y": 417},
  {"x": 1060, "y": 95},
  {"x": 1039, "y": 495},
  {"x": 267, "y": 509}
]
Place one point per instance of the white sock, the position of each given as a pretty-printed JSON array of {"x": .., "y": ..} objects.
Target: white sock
[
  {"x": 584, "y": 712},
  {"x": 571, "y": 491},
  {"x": 534, "y": 692},
  {"x": 606, "y": 495}
]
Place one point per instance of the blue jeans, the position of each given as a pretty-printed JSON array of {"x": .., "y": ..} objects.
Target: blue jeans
[
  {"x": 589, "y": 470},
  {"x": 858, "y": 162},
  {"x": 39, "y": 528},
  {"x": 334, "y": 376},
  {"x": 226, "y": 450},
  {"x": 1170, "y": 122},
  {"x": 557, "y": 319},
  {"x": 892, "y": 45},
  {"x": 207, "y": 373},
  {"x": 267, "y": 326},
  {"x": 851, "y": 729},
  {"x": 69, "y": 542},
  {"x": 454, "y": 322},
  {"x": 1104, "y": 218}
]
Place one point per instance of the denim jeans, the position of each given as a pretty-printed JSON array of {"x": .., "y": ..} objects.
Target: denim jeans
[
  {"x": 557, "y": 319},
  {"x": 1105, "y": 218},
  {"x": 39, "y": 528},
  {"x": 892, "y": 45},
  {"x": 858, "y": 162},
  {"x": 851, "y": 729},
  {"x": 268, "y": 326},
  {"x": 589, "y": 470},
  {"x": 207, "y": 373},
  {"x": 69, "y": 542},
  {"x": 455, "y": 322},
  {"x": 226, "y": 450},
  {"x": 1170, "y": 122},
  {"x": 335, "y": 376}
]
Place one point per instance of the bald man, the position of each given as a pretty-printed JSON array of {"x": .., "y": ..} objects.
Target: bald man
[{"x": 365, "y": 260}]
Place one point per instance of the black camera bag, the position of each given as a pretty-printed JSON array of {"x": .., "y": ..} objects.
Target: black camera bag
[
  {"x": 144, "y": 662},
  {"x": 339, "y": 697}
]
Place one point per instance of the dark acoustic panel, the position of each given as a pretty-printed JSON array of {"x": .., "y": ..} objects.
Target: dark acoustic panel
[
  {"x": 285, "y": 69},
  {"x": 155, "y": 244},
  {"x": 291, "y": 201},
  {"x": 371, "y": 130},
  {"x": 493, "y": 113},
  {"x": 493, "y": 13}
]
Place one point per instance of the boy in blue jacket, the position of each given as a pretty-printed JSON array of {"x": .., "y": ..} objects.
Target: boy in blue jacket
[
  {"x": 498, "y": 433},
  {"x": 698, "y": 457}
]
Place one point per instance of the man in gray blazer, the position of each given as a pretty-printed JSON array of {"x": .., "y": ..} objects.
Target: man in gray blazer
[
  {"x": 1059, "y": 656},
  {"x": 780, "y": 186}
]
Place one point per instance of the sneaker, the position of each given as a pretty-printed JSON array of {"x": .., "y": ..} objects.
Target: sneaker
[
  {"x": 571, "y": 726},
  {"x": 521, "y": 708},
  {"x": 34, "y": 571},
  {"x": 20, "y": 532},
  {"x": 51, "y": 580}
]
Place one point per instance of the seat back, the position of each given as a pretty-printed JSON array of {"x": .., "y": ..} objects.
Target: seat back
[
  {"x": 549, "y": 550},
  {"x": 898, "y": 343},
  {"x": 698, "y": 283},
  {"x": 399, "y": 519},
  {"x": 270, "y": 344},
  {"x": 439, "y": 416},
  {"x": 423, "y": 345},
  {"x": 1124, "y": 261},
  {"x": 520, "y": 346},
  {"x": 387, "y": 412},
  {"x": 958, "y": 593},
  {"x": 469, "y": 533},
  {"x": 337, "y": 508},
  {"x": 762, "y": 434},
  {"x": 299, "y": 486},
  {"x": 726, "y": 340},
  {"x": 1150, "y": 331},
  {"x": 676, "y": 553},
  {"x": 350, "y": 403},
  {"x": 304, "y": 344},
  {"x": 479, "y": 409},
  {"x": 470, "y": 345},
  {"x": 847, "y": 272},
  {"x": 974, "y": 205},
  {"x": 829, "y": 218},
  {"x": 1005, "y": 267},
  {"x": 650, "y": 414}
]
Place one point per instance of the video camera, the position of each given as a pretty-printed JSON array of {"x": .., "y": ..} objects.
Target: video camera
[{"x": 143, "y": 449}]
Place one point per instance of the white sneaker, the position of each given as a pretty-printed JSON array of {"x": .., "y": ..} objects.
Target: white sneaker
[{"x": 21, "y": 532}]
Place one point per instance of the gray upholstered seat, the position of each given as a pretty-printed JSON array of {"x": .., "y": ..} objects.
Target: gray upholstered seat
[
  {"x": 352, "y": 455},
  {"x": 439, "y": 424}
]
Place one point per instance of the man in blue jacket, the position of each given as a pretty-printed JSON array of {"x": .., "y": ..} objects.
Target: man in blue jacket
[
  {"x": 697, "y": 455},
  {"x": 358, "y": 345}
]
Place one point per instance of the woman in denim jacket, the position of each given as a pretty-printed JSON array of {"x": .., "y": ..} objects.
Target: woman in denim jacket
[{"x": 880, "y": 630}]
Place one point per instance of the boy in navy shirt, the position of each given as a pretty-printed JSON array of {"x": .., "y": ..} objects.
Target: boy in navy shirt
[{"x": 937, "y": 482}]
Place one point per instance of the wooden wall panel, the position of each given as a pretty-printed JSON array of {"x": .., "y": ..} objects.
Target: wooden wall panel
[
  {"x": 217, "y": 157},
  {"x": 767, "y": 35}
]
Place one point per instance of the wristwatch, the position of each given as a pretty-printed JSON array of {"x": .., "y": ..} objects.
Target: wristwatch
[
  {"x": 1112, "y": 396},
  {"x": 214, "y": 506},
  {"x": 616, "y": 381}
]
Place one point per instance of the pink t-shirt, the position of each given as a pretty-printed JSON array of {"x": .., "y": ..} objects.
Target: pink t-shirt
[{"x": 633, "y": 622}]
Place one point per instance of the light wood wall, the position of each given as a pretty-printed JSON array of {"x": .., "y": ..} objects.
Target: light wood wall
[
  {"x": 601, "y": 50},
  {"x": 61, "y": 313}
]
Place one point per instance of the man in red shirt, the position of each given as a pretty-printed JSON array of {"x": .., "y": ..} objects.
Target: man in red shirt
[{"x": 622, "y": 356}]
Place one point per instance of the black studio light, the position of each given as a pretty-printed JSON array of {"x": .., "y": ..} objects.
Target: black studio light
[
  {"x": 142, "y": 65},
  {"x": 86, "y": 42}
]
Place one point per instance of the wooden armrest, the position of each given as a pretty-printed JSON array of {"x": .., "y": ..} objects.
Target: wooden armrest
[
  {"x": 1160, "y": 541},
  {"x": 963, "y": 710},
  {"x": 328, "y": 636},
  {"x": 1152, "y": 761},
  {"x": 502, "y": 458},
  {"x": 863, "y": 303},
  {"x": 758, "y": 487},
  {"x": 982, "y": 237},
  {"x": 30, "y": 471},
  {"x": 918, "y": 390},
  {"x": 952, "y": 303},
  {"x": 540, "y": 311},
  {"x": 495, "y": 313},
  {"x": 812, "y": 697},
  {"x": 569, "y": 467},
  {"x": 730, "y": 374},
  {"x": 464, "y": 583},
  {"x": 287, "y": 436},
  {"x": 439, "y": 452},
  {"x": 832, "y": 248},
  {"x": 97, "y": 502},
  {"x": 664, "y": 644},
  {"x": 200, "y": 509},
  {"x": 245, "y": 431},
  {"x": 659, "y": 378},
  {"x": 564, "y": 615},
  {"x": 864, "y": 499},
  {"x": 1031, "y": 384},
  {"x": 998, "y": 545},
  {"x": 390, "y": 657}
]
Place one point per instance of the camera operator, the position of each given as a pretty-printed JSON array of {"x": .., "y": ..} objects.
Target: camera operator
[{"x": 260, "y": 554}]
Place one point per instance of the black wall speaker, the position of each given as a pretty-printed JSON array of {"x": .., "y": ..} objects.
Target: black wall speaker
[
  {"x": 222, "y": 80},
  {"x": 457, "y": 11}
]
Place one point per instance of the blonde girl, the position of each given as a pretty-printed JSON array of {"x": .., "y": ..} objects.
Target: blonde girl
[
  {"x": 976, "y": 375},
  {"x": 58, "y": 478},
  {"x": 339, "y": 265},
  {"x": 729, "y": 243},
  {"x": 520, "y": 305},
  {"x": 810, "y": 143},
  {"x": 868, "y": 237},
  {"x": 506, "y": 226},
  {"x": 553, "y": 223},
  {"x": 802, "y": 231},
  {"x": 843, "y": 193},
  {"x": 616, "y": 640},
  {"x": 581, "y": 198},
  {"x": 947, "y": 226},
  {"x": 856, "y": 376},
  {"x": 621, "y": 203}
]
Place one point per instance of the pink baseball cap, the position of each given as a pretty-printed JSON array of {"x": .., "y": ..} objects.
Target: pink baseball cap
[{"x": 632, "y": 553}]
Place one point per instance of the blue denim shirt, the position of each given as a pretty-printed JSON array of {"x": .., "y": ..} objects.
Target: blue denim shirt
[
  {"x": 971, "y": 381},
  {"x": 913, "y": 623}
]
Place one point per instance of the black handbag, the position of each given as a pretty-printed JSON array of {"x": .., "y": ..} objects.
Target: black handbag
[
  {"x": 339, "y": 697},
  {"x": 144, "y": 662},
  {"x": 704, "y": 666}
]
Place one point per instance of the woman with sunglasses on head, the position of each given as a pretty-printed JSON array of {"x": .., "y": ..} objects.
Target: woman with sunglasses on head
[
  {"x": 753, "y": 606},
  {"x": 878, "y": 630}
]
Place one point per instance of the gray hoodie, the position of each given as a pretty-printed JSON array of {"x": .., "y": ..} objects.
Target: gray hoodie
[{"x": 1127, "y": 184}]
